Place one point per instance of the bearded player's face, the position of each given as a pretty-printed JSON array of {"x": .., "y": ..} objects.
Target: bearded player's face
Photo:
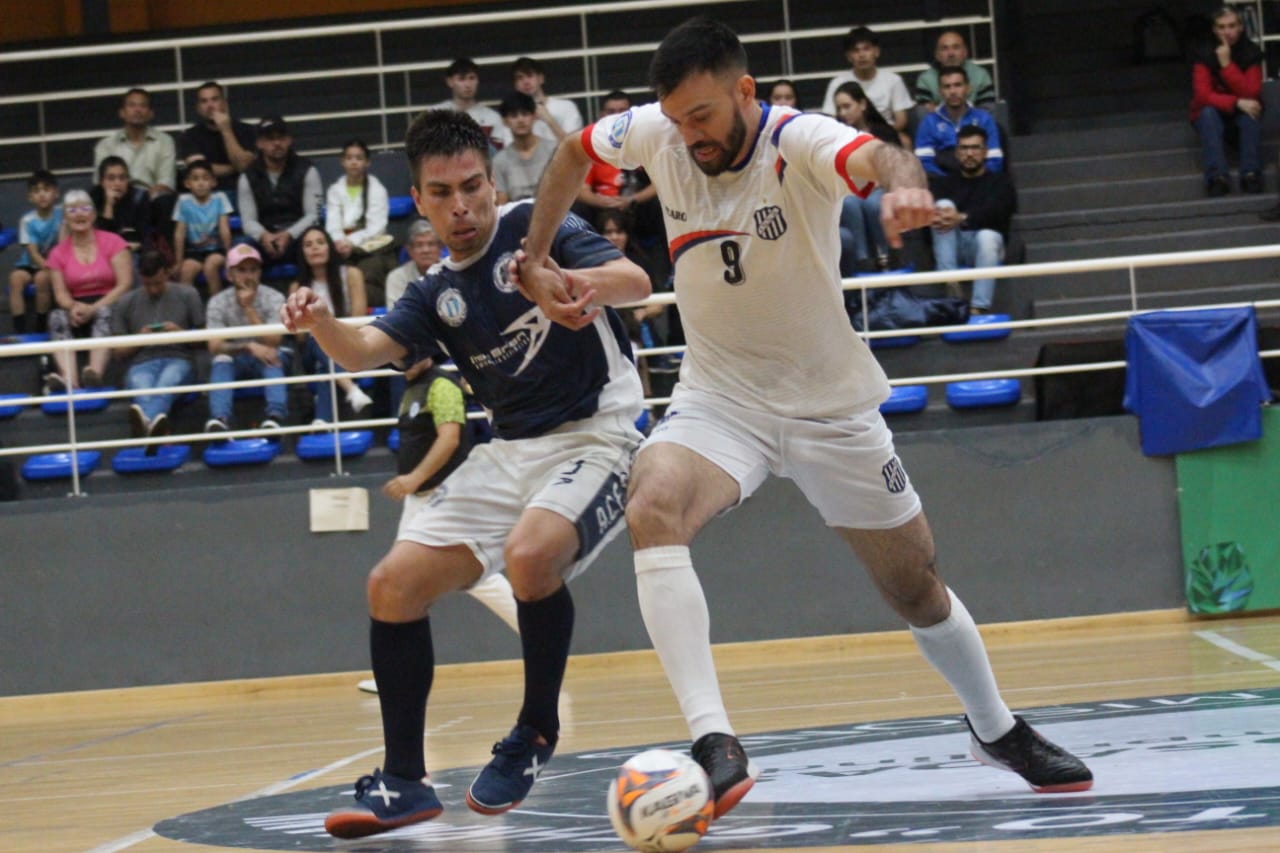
[{"x": 708, "y": 111}]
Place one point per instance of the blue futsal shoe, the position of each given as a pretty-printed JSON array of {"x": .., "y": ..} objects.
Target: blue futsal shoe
[
  {"x": 384, "y": 802},
  {"x": 505, "y": 781}
]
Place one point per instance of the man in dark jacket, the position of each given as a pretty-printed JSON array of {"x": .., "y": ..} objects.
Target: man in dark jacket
[
  {"x": 279, "y": 194},
  {"x": 1226, "y": 92}
]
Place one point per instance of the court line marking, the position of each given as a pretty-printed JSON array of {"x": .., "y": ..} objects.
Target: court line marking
[{"x": 1235, "y": 648}]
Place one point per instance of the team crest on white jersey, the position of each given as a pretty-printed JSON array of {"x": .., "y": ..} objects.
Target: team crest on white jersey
[
  {"x": 770, "y": 224},
  {"x": 619, "y": 129},
  {"x": 502, "y": 273},
  {"x": 451, "y": 307}
]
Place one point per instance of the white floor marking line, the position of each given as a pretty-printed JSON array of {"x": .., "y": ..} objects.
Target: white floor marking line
[
  {"x": 142, "y": 835},
  {"x": 1236, "y": 649}
]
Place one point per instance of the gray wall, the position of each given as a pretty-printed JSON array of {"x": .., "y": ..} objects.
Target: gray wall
[{"x": 1032, "y": 520}]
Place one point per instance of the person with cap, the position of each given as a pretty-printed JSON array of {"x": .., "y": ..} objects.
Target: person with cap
[
  {"x": 257, "y": 357},
  {"x": 279, "y": 194}
]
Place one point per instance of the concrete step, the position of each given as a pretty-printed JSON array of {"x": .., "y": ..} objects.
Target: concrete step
[
  {"x": 1257, "y": 234},
  {"x": 1134, "y": 79},
  {"x": 1061, "y": 171},
  {"x": 1186, "y": 277},
  {"x": 1184, "y": 188},
  {"x": 1128, "y": 132},
  {"x": 1112, "y": 107},
  {"x": 1106, "y": 223},
  {"x": 1074, "y": 306}
]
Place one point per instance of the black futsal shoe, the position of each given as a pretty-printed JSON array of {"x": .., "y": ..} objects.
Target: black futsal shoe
[
  {"x": 732, "y": 774},
  {"x": 1047, "y": 767}
]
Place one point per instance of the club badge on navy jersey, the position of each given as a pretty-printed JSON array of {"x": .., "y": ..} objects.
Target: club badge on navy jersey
[
  {"x": 451, "y": 307},
  {"x": 502, "y": 273},
  {"x": 770, "y": 224}
]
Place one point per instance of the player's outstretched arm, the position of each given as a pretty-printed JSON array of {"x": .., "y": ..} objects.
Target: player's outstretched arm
[
  {"x": 354, "y": 349},
  {"x": 907, "y": 203},
  {"x": 556, "y": 193}
]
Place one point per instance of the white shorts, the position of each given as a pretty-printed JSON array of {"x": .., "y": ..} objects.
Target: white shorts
[
  {"x": 846, "y": 467},
  {"x": 578, "y": 471}
]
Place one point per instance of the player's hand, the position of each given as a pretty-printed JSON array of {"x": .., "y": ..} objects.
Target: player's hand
[
  {"x": 304, "y": 310},
  {"x": 399, "y": 488},
  {"x": 905, "y": 210},
  {"x": 1223, "y": 51},
  {"x": 561, "y": 296}
]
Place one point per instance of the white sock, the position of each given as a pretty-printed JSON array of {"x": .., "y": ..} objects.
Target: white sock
[
  {"x": 358, "y": 399},
  {"x": 675, "y": 614},
  {"x": 495, "y": 593},
  {"x": 954, "y": 648}
]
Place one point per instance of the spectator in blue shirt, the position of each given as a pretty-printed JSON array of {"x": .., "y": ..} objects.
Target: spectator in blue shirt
[{"x": 938, "y": 131}]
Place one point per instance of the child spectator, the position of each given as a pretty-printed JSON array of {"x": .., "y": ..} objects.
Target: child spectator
[
  {"x": 202, "y": 231},
  {"x": 123, "y": 208},
  {"x": 356, "y": 208},
  {"x": 783, "y": 94},
  {"x": 37, "y": 232}
]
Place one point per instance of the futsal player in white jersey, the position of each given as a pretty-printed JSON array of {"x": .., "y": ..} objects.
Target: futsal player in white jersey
[{"x": 774, "y": 380}]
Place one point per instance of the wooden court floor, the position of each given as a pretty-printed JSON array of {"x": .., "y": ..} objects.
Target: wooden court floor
[{"x": 96, "y": 771}]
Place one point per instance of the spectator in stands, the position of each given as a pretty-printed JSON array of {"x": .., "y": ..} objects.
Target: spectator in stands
[
  {"x": 434, "y": 438},
  {"x": 424, "y": 252},
  {"x": 783, "y": 94},
  {"x": 861, "y": 233},
  {"x": 279, "y": 193},
  {"x": 38, "y": 232},
  {"x": 463, "y": 79},
  {"x": 936, "y": 137},
  {"x": 202, "y": 231},
  {"x": 257, "y": 357},
  {"x": 885, "y": 88},
  {"x": 949, "y": 51},
  {"x": 159, "y": 305},
  {"x": 149, "y": 154},
  {"x": 342, "y": 288},
  {"x": 607, "y": 187},
  {"x": 974, "y": 209},
  {"x": 123, "y": 208},
  {"x": 517, "y": 168},
  {"x": 1226, "y": 103},
  {"x": 91, "y": 270},
  {"x": 226, "y": 143},
  {"x": 556, "y": 117},
  {"x": 356, "y": 208}
]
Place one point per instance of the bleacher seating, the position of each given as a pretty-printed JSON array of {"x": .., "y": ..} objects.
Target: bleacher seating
[
  {"x": 320, "y": 445},
  {"x": 58, "y": 466}
]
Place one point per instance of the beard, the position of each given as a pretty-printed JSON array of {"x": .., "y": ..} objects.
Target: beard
[{"x": 727, "y": 149}]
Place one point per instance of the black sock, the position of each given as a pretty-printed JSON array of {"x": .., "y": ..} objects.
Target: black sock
[
  {"x": 546, "y": 628},
  {"x": 20, "y": 324},
  {"x": 42, "y": 322},
  {"x": 404, "y": 662}
]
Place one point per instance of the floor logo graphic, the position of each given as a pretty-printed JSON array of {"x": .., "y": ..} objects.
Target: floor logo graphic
[{"x": 1162, "y": 764}]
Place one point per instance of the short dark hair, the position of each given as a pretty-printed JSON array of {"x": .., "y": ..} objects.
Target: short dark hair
[
  {"x": 527, "y": 65},
  {"x": 972, "y": 130},
  {"x": 516, "y": 102},
  {"x": 698, "y": 45},
  {"x": 951, "y": 31},
  {"x": 952, "y": 70},
  {"x": 462, "y": 65},
  {"x": 857, "y": 36},
  {"x": 42, "y": 178},
  {"x": 108, "y": 162},
  {"x": 357, "y": 142},
  {"x": 196, "y": 165},
  {"x": 444, "y": 133},
  {"x": 210, "y": 84},
  {"x": 136, "y": 90},
  {"x": 151, "y": 262},
  {"x": 618, "y": 95}
]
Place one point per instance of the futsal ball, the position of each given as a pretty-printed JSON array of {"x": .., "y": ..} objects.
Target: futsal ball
[{"x": 661, "y": 802}]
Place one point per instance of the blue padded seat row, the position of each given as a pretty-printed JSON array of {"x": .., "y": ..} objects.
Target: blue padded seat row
[
  {"x": 400, "y": 206},
  {"x": 57, "y": 466},
  {"x": 983, "y": 393},
  {"x": 280, "y": 272},
  {"x": 905, "y": 399},
  {"x": 27, "y": 337},
  {"x": 59, "y": 407},
  {"x": 240, "y": 451},
  {"x": 895, "y": 342},
  {"x": 8, "y": 236},
  {"x": 10, "y": 411},
  {"x": 134, "y": 460},
  {"x": 234, "y": 221},
  {"x": 319, "y": 445},
  {"x": 979, "y": 333},
  {"x": 393, "y": 440}
]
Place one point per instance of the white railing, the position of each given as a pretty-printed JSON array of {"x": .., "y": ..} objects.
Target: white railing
[
  {"x": 169, "y": 75},
  {"x": 1130, "y": 263}
]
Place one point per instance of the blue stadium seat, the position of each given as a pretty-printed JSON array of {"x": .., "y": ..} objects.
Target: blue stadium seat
[
  {"x": 400, "y": 206},
  {"x": 983, "y": 393},
  {"x": 134, "y": 460},
  {"x": 895, "y": 342},
  {"x": 642, "y": 422},
  {"x": 234, "y": 221},
  {"x": 241, "y": 451},
  {"x": 280, "y": 272},
  {"x": 8, "y": 236},
  {"x": 979, "y": 333},
  {"x": 905, "y": 399},
  {"x": 27, "y": 337},
  {"x": 393, "y": 440},
  {"x": 56, "y": 466},
  {"x": 59, "y": 407},
  {"x": 319, "y": 445},
  {"x": 10, "y": 411}
]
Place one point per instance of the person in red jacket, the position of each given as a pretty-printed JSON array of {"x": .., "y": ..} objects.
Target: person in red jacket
[{"x": 1226, "y": 91}]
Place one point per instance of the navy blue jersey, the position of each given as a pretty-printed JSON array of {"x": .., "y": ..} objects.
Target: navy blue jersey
[{"x": 532, "y": 374}]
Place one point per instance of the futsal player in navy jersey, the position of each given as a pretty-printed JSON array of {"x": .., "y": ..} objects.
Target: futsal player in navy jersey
[{"x": 539, "y": 501}]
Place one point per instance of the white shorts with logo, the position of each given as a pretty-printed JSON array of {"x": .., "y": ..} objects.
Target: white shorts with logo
[
  {"x": 578, "y": 471},
  {"x": 846, "y": 467}
]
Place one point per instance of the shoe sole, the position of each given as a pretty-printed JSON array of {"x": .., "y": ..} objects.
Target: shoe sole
[
  {"x": 730, "y": 798},
  {"x": 1061, "y": 788},
  {"x": 481, "y": 808},
  {"x": 359, "y": 825}
]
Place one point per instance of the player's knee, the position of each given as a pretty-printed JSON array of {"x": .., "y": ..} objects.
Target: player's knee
[
  {"x": 650, "y": 512},
  {"x": 533, "y": 568},
  {"x": 391, "y": 594}
]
